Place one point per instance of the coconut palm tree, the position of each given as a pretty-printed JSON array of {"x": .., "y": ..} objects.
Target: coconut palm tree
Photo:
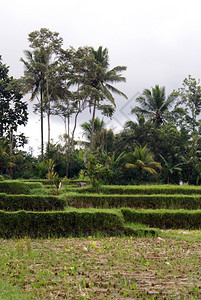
[
  {"x": 153, "y": 104},
  {"x": 102, "y": 82},
  {"x": 142, "y": 160},
  {"x": 87, "y": 126},
  {"x": 34, "y": 81}
]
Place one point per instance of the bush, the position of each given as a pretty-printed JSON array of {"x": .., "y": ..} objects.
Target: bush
[
  {"x": 18, "y": 187},
  {"x": 31, "y": 202},
  {"x": 59, "y": 224},
  {"x": 134, "y": 201},
  {"x": 174, "y": 219},
  {"x": 1, "y": 178}
]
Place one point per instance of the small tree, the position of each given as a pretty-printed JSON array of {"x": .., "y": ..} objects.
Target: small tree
[
  {"x": 96, "y": 171},
  {"x": 143, "y": 161}
]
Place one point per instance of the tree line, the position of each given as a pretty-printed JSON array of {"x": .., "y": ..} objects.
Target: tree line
[{"x": 161, "y": 144}]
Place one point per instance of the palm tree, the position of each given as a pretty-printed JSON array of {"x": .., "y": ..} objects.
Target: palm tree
[
  {"x": 101, "y": 83},
  {"x": 170, "y": 169},
  {"x": 87, "y": 127},
  {"x": 154, "y": 104},
  {"x": 34, "y": 81},
  {"x": 142, "y": 160}
]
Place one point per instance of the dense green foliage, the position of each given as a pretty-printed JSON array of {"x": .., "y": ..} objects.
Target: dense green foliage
[
  {"x": 160, "y": 144},
  {"x": 13, "y": 111}
]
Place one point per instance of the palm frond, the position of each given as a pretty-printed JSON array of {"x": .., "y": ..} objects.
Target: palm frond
[{"x": 115, "y": 90}]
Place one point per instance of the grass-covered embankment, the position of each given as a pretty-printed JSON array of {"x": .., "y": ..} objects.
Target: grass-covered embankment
[
  {"x": 175, "y": 219},
  {"x": 18, "y": 186},
  {"x": 31, "y": 202},
  {"x": 60, "y": 224},
  {"x": 160, "y": 201},
  {"x": 143, "y": 189}
]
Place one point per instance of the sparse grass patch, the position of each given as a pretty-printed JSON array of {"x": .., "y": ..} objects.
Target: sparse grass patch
[{"x": 102, "y": 268}]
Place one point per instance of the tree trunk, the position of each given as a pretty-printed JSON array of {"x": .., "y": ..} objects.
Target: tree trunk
[
  {"x": 11, "y": 152},
  {"x": 41, "y": 120},
  {"x": 68, "y": 147},
  {"x": 48, "y": 106},
  {"x": 92, "y": 126}
]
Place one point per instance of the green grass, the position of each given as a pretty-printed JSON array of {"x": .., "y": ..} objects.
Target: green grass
[
  {"x": 164, "y": 218},
  {"x": 11, "y": 292},
  {"x": 160, "y": 201},
  {"x": 143, "y": 189},
  {"x": 184, "y": 235}
]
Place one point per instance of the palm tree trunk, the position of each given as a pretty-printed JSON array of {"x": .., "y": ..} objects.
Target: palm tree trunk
[
  {"x": 41, "y": 120},
  {"x": 68, "y": 147},
  {"x": 92, "y": 126},
  {"x": 73, "y": 133},
  {"x": 11, "y": 151},
  {"x": 48, "y": 106},
  {"x": 140, "y": 175}
]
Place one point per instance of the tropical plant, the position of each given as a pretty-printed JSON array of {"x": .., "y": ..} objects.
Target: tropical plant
[
  {"x": 96, "y": 171},
  {"x": 169, "y": 169},
  {"x": 13, "y": 111},
  {"x": 8, "y": 158},
  {"x": 153, "y": 104},
  {"x": 115, "y": 164},
  {"x": 87, "y": 127},
  {"x": 189, "y": 102},
  {"x": 142, "y": 160},
  {"x": 50, "y": 44},
  {"x": 101, "y": 83},
  {"x": 34, "y": 82}
]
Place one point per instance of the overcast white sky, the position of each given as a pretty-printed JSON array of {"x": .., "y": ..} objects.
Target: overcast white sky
[{"x": 158, "y": 41}]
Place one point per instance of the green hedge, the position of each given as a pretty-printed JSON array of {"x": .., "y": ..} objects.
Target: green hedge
[
  {"x": 18, "y": 187},
  {"x": 144, "y": 189},
  {"x": 174, "y": 219},
  {"x": 59, "y": 224},
  {"x": 134, "y": 201},
  {"x": 31, "y": 202}
]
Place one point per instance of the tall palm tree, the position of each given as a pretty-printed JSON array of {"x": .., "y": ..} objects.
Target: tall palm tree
[
  {"x": 87, "y": 126},
  {"x": 34, "y": 81},
  {"x": 142, "y": 160},
  {"x": 153, "y": 104},
  {"x": 101, "y": 82}
]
